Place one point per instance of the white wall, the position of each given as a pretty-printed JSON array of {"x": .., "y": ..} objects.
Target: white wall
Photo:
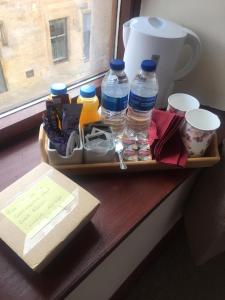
[
  {"x": 104, "y": 280},
  {"x": 207, "y": 19}
]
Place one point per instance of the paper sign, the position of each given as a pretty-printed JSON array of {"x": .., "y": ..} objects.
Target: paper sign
[{"x": 35, "y": 208}]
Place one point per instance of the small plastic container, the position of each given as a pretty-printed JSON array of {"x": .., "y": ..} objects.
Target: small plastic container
[
  {"x": 92, "y": 156},
  {"x": 90, "y": 103}
]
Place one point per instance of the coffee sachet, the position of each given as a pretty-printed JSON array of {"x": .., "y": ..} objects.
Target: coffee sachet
[{"x": 70, "y": 117}]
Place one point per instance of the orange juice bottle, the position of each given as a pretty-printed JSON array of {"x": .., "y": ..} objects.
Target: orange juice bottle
[{"x": 90, "y": 103}]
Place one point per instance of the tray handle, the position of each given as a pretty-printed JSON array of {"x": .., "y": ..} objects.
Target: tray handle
[{"x": 42, "y": 141}]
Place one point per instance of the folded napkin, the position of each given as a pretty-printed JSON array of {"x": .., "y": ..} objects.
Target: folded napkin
[{"x": 164, "y": 138}]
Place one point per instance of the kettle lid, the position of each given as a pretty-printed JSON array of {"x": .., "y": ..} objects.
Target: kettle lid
[{"x": 157, "y": 27}]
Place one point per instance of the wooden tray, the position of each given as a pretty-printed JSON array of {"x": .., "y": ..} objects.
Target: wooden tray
[{"x": 211, "y": 158}]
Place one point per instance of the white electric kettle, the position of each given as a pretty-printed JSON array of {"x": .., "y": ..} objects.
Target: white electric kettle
[{"x": 162, "y": 40}]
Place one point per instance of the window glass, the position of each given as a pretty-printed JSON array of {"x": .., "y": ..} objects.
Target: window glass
[
  {"x": 58, "y": 33},
  {"x": 48, "y": 41},
  {"x": 3, "y": 87},
  {"x": 57, "y": 27},
  {"x": 86, "y": 34}
]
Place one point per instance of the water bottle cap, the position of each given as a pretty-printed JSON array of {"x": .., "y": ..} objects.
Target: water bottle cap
[
  {"x": 148, "y": 65},
  {"x": 58, "y": 89},
  {"x": 88, "y": 91},
  {"x": 117, "y": 64}
]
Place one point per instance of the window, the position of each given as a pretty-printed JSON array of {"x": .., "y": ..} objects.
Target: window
[
  {"x": 3, "y": 87},
  {"x": 3, "y": 36},
  {"x": 49, "y": 41},
  {"x": 31, "y": 57},
  {"x": 58, "y": 33},
  {"x": 86, "y": 34}
]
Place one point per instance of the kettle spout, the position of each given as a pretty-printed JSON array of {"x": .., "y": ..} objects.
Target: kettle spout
[{"x": 126, "y": 32}]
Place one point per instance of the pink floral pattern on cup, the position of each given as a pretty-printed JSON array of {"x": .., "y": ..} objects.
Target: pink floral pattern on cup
[
  {"x": 197, "y": 131},
  {"x": 196, "y": 141}
]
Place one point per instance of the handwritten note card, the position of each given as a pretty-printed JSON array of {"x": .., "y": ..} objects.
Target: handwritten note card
[{"x": 35, "y": 208}]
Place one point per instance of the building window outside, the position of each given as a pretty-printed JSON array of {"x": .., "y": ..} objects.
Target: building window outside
[
  {"x": 58, "y": 33},
  {"x": 3, "y": 87},
  {"x": 3, "y": 35},
  {"x": 86, "y": 34}
]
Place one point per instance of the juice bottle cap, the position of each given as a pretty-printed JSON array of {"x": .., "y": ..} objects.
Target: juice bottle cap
[{"x": 88, "y": 91}]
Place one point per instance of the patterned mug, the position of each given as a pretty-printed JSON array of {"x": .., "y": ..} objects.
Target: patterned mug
[
  {"x": 197, "y": 131},
  {"x": 180, "y": 103}
]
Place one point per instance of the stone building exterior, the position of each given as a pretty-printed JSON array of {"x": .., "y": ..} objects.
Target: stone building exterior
[{"x": 47, "y": 41}]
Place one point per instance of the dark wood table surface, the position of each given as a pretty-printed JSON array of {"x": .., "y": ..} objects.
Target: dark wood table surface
[{"x": 126, "y": 199}]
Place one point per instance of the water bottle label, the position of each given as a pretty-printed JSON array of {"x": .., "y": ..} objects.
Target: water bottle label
[
  {"x": 114, "y": 103},
  {"x": 141, "y": 103}
]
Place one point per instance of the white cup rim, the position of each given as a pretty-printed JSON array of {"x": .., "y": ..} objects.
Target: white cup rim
[
  {"x": 183, "y": 102},
  {"x": 202, "y": 119}
]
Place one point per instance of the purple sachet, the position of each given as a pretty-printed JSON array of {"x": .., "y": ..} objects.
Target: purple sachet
[{"x": 57, "y": 139}]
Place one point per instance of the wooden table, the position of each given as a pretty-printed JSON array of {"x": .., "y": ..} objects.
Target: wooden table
[{"x": 126, "y": 200}]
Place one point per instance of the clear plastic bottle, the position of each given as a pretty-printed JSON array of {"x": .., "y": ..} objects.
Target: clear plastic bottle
[
  {"x": 143, "y": 94},
  {"x": 114, "y": 96}
]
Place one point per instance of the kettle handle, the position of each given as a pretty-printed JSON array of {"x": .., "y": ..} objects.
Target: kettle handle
[
  {"x": 126, "y": 32},
  {"x": 194, "y": 42}
]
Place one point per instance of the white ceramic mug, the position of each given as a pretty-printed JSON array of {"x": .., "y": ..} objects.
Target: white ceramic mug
[
  {"x": 197, "y": 131},
  {"x": 180, "y": 103}
]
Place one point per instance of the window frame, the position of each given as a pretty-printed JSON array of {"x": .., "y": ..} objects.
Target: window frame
[{"x": 16, "y": 124}]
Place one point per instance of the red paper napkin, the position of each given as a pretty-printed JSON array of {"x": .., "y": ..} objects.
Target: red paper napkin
[{"x": 164, "y": 137}]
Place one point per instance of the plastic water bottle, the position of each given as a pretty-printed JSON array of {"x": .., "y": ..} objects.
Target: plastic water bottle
[
  {"x": 143, "y": 94},
  {"x": 114, "y": 96}
]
